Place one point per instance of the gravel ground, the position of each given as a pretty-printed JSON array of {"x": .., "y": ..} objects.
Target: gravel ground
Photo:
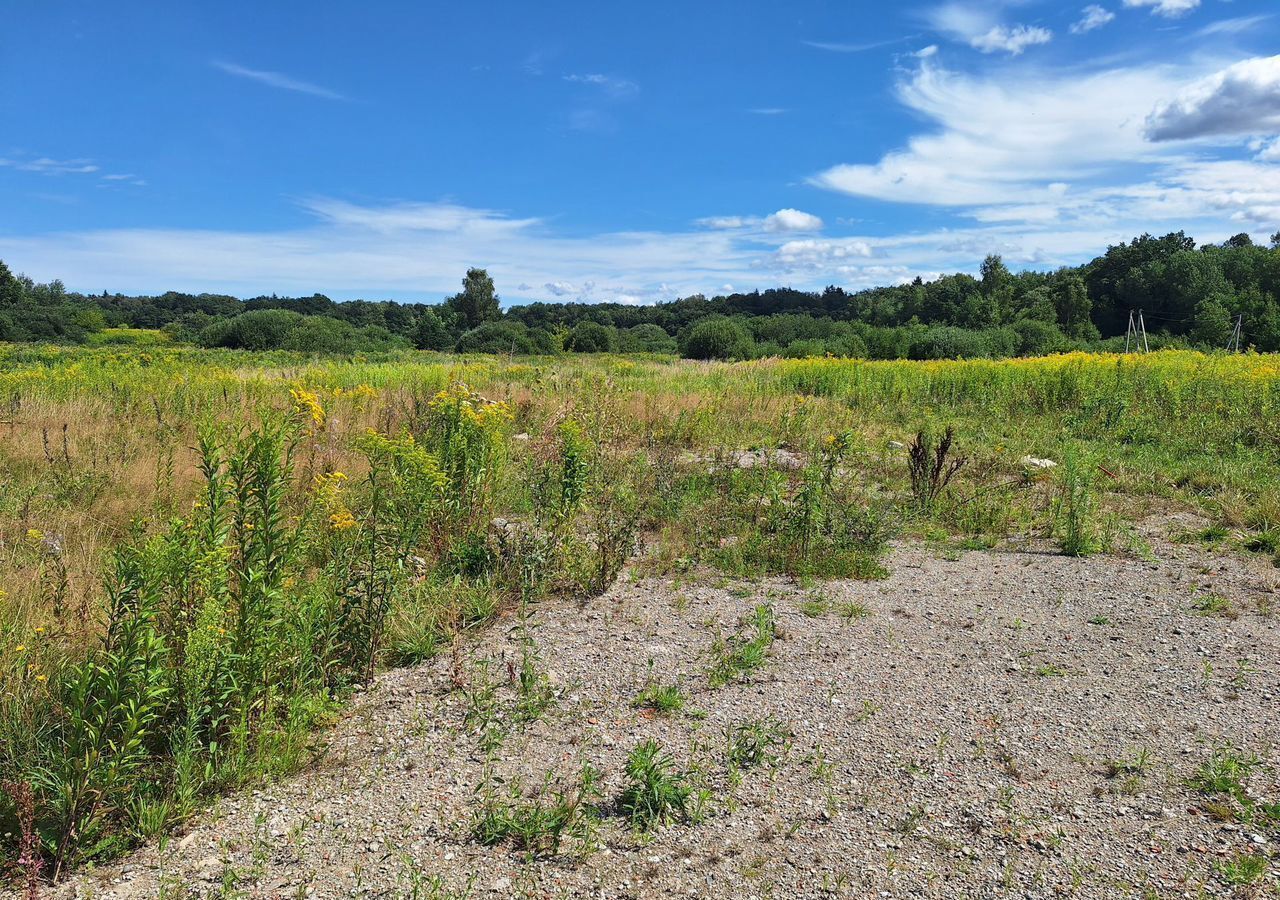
[{"x": 949, "y": 743}]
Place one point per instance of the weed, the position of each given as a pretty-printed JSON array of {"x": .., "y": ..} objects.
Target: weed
[
  {"x": 540, "y": 825},
  {"x": 853, "y": 610},
  {"x": 931, "y": 466},
  {"x": 742, "y": 654},
  {"x": 658, "y": 792},
  {"x": 1225, "y": 773},
  {"x": 660, "y": 698},
  {"x": 1135, "y": 765},
  {"x": 753, "y": 743},
  {"x": 1244, "y": 869},
  {"x": 1214, "y": 605},
  {"x": 1075, "y": 511}
]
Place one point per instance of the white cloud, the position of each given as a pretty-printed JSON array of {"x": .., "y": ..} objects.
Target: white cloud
[
  {"x": 1001, "y": 38},
  {"x": 728, "y": 222},
  {"x": 767, "y": 111},
  {"x": 979, "y": 27},
  {"x": 1269, "y": 152},
  {"x": 783, "y": 220},
  {"x": 792, "y": 220},
  {"x": 381, "y": 251},
  {"x": 1022, "y": 149},
  {"x": 278, "y": 80},
  {"x": 1091, "y": 17},
  {"x": 1241, "y": 99},
  {"x": 1170, "y": 8},
  {"x": 403, "y": 217},
  {"x": 1238, "y": 25},
  {"x": 46, "y": 166},
  {"x": 854, "y": 46},
  {"x": 617, "y": 87}
]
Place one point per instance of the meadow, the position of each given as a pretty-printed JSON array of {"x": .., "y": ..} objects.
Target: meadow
[{"x": 203, "y": 552}]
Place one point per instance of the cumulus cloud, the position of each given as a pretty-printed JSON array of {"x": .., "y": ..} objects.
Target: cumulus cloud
[
  {"x": 1241, "y": 99},
  {"x": 792, "y": 220},
  {"x": 1168, "y": 8},
  {"x": 1045, "y": 152},
  {"x": 560, "y": 288},
  {"x": 1001, "y": 38},
  {"x": 1091, "y": 17},
  {"x": 978, "y": 26}
]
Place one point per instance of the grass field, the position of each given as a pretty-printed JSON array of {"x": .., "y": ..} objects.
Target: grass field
[{"x": 202, "y": 552}]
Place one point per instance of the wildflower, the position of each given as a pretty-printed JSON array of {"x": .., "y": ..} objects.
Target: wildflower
[
  {"x": 35, "y": 535},
  {"x": 342, "y": 520},
  {"x": 20, "y": 648},
  {"x": 39, "y": 629},
  {"x": 307, "y": 405},
  {"x": 42, "y": 677}
]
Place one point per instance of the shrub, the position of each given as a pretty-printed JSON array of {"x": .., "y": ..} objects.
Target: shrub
[
  {"x": 718, "y": 338},
  {"x": 646, "y": 339},
  {"x": 591, "y": 337}
]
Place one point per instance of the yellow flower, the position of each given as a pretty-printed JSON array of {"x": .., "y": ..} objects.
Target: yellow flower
[
  {"x": 42, "y": 677},
  {"x": 35, "y": 534},
  {"x": 39, "y": 629},
  {"x": 342, "y": 520},
  {"x": 307, "y": 404}
]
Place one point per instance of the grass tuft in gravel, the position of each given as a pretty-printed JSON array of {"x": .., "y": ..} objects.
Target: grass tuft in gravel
[
  {"x": 740, "y": 655},
  {"x": 659, "y": 793}
]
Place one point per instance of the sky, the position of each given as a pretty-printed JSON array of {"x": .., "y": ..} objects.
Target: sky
[{"x": 621, "y": 152}]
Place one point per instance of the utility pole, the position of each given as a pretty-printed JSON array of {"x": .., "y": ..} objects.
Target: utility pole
[
  {"x": 1137, "y": 332},
  {"x": 1233, "y": 342}
]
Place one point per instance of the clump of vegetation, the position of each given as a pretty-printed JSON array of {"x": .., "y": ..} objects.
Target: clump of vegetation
[
  {"x": 658, "y": 792},
  {"x": 931, "y": 466},
  {"x": 753, "y": 743},
  {"x": 745, "y": 652},
  {"x": 1075, "y": 508},
  {"x": 541, "y": 824},
  {"x": 660, "y": 698}
]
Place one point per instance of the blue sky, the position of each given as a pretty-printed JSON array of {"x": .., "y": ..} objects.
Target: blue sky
[{"x": 631, "y": 152}]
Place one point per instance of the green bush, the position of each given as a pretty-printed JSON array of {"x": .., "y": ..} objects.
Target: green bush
[{"x": 718, "y": 338}]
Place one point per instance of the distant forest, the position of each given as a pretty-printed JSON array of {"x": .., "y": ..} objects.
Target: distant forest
[{"x": 1189, "y": 296}]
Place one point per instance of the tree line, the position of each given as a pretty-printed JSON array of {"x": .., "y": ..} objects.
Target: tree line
[{"x": 1189, "y": 296}]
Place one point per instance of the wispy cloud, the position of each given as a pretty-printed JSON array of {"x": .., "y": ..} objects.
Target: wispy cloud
[
  {"x": 767, "y": 111},
  {"x": 856, "y": 46},
  {"x": 1091, "y": 17},
  {"x": 610, "y": 84},
  {"x": 1168, "y": 8},
  {"x": 122, "y": 179},
  {"x": 278, "y": 80},
  {"x": 46, "y": 166},
  {"x": 1238, "y": 25}
]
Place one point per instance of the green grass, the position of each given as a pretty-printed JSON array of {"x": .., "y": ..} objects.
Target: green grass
[{"x": 664, "y": 699}]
